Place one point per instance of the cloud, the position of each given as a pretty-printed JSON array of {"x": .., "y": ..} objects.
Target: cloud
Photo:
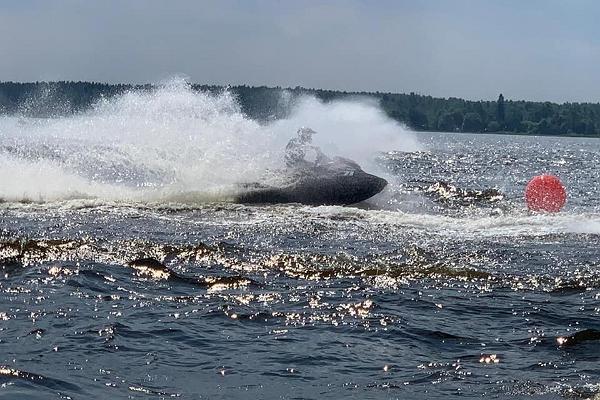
[{"x": 540, "y": 50}]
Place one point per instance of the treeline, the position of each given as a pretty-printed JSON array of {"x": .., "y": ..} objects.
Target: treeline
[
  {"x": 425, "y": 113},
  {"x": 45, "y": 99}
]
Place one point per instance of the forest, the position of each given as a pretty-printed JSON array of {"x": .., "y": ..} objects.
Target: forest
[{"x": 419, "y": 112}]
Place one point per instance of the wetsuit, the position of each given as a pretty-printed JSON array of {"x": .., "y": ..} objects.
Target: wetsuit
[{"x": 295, "y": 151}]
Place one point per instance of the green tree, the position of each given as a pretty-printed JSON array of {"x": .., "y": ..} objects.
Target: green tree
[
  {"x": 417, "y": 119},
  {"x": 493, "y": 126},
  {"x": 450, "y": 122},
  {"x": 472, "y": 123},
  {"x": 500, "y": 113}
]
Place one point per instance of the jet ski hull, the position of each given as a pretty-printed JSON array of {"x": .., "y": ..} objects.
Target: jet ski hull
[{"x": 339, "y": 183}]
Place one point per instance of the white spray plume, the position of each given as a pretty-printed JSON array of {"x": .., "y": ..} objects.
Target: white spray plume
[
  {"x": 355, "y": 128},
  {"x": 169, "y": 142}
]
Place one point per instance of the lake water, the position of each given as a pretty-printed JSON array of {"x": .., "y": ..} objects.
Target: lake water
[{"x": 433, "y": 289}]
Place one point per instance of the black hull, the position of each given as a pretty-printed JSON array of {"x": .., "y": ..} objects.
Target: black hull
[{"x": 339, "y": 183}]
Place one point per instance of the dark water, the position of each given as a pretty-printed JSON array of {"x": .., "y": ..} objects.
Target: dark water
[{"x": 435, "y": 289}]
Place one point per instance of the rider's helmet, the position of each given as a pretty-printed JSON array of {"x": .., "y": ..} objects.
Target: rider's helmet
[{"x": 305, "y": 134}]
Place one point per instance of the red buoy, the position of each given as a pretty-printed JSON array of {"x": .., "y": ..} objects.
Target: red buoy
[{"x": 545, "y": 193}]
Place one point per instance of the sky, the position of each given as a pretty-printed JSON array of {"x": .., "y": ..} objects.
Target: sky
[{"x": 542, "y": 50}]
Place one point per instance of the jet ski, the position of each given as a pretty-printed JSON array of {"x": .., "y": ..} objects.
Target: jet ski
[{"x": 335, "y": 181}]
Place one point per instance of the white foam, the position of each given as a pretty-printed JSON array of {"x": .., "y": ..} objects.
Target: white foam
[
  {"x": 355, "y": 128},
  {"x": 520, "y": 223},
  {"x": 173, "y": 144}
]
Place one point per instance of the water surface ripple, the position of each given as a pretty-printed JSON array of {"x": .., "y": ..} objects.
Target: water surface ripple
[{"x": 436, "y": 288}]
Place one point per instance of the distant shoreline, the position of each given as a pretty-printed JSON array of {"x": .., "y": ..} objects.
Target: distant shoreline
[
  {"x": 506, "y": 133},
  {"x": 262, "y": 103}
]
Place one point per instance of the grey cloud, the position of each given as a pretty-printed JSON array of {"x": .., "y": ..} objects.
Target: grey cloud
[{"x": 532, "y": 50}]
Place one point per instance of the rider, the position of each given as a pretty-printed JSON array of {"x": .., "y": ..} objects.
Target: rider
[{"x": 296, "y": 149}]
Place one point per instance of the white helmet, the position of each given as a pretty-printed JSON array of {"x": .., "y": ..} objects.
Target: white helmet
[{"x": 305, "y": 132}]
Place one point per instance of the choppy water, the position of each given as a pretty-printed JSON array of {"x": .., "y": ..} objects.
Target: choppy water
[{"x": 435, "y": 288}]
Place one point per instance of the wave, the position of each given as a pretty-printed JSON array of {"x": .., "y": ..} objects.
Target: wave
[{"x": 236, "y": 266}]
